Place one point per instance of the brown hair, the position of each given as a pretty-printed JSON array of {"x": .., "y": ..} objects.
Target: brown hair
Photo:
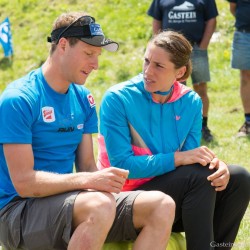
[
  {"x": 178, "y": 47},
  {"x": 64, "y": 20}
]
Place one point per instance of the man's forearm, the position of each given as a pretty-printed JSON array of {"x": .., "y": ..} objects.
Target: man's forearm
[{"x": 209, "y": 30}]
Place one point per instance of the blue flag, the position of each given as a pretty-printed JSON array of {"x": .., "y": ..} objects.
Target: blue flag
[{"x": 6, "y": 37}]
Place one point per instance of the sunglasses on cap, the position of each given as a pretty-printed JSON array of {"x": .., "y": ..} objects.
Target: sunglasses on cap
[{"x": 85, "y": 29}]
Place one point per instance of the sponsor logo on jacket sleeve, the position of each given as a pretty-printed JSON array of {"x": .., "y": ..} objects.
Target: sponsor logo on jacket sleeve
[{"x": 91, "y": 100}]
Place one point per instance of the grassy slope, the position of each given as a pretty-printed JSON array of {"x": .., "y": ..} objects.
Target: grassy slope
[{"x": 127, "y": 22}]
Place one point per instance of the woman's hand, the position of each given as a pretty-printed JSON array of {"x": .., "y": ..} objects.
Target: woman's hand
[
  {"x": 220, "y": 178},
  {"x": 202, "y": 155}
]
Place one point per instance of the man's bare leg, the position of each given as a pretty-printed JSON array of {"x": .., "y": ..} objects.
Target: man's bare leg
[
  {"x": 201, "y": 90},
  {"x": 93, "y": 216},
  {"x": 153, "y": 212},
  {"x": 245, "y": 89}
]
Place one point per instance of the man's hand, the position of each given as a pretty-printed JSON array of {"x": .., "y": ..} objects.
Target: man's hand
[
  {"x": 109, "y": 179},
  {"x": 220, "y": 178}
]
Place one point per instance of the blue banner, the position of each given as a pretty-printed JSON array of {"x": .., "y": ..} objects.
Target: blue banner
[{"x": 6, "y": 37}]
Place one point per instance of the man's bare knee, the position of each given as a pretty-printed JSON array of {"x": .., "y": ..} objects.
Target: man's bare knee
[
  {"x": 93, "y": 214},
  {"x": 158, "y": 208},
  {"x": 97, "y": 207},
  {"x": 163, "y": 208}
]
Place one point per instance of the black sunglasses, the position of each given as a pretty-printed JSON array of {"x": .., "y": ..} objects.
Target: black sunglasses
[{"x": 83, "y": 20}]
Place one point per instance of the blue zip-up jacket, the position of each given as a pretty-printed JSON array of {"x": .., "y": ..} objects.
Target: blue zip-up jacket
[{"x": 141, "y": 135}]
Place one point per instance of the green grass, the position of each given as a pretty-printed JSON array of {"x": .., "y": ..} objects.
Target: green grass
[{"x": 127, "y": 23}]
